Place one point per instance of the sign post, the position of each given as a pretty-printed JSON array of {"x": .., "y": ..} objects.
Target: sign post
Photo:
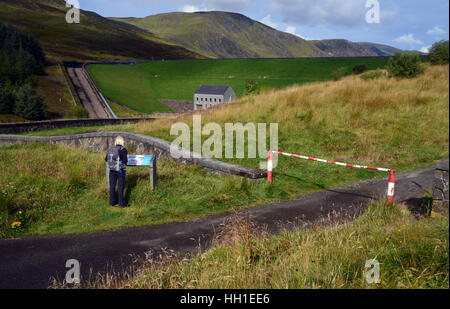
[{"x": 144, "y": 160}]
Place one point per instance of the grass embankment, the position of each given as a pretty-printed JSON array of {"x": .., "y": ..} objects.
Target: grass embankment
[
  {"x": 413, "y": 253},
  {"x": 142, "y": 86}
]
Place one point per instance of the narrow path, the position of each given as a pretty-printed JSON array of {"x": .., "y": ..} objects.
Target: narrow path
[
  {"x": 86, "y": 93},
  {"x": 31, "y": 261}
]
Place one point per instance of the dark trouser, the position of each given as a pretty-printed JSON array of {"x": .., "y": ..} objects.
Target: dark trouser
[{"x": 115, "y": 177}]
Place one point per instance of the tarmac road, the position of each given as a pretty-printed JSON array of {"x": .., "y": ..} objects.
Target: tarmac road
[
  {"x": 30, "y": 262},
  {"x": 86, "y": 93}
]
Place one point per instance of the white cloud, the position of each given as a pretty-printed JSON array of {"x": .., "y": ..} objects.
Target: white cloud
[
  {"x": 190, "y": 9},
  {"x": 436, "y": 31},
  {"x": 214, "y": 5},
  {"x": 425, "y": 49},
  {"x": 268, "y": 21},
  {"x": 408, "y": 39},
  {"x": 317, "y": 12},
  {"x": 291, "y": 30}
]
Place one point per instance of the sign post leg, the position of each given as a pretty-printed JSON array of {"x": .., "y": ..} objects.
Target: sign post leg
[
  {"x": 107, "y": 176},
  {"x": 153, "y": 174}
]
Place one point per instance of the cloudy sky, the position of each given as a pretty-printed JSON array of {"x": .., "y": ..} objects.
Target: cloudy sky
[{"x": 407, "y": 24}]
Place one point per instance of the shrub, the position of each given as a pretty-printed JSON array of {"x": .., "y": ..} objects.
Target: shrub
[
  {"x": 77, "y": 112},
  {"x": 405, "y": 64},
  {"x": 375, "y": 74},
  {"x": 252, "y": 87},
  {"x": 359, "y": 69},
  {"x": 339, "y": 73},
  {"x": 439, "y": 52}
]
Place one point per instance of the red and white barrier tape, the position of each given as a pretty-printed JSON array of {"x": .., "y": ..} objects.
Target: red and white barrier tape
[{"x": 391, "y": 188}]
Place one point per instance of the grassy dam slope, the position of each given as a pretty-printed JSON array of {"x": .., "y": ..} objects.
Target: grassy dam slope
[{"x": 142, "y": 86}]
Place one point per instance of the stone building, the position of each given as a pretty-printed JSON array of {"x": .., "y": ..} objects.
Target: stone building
[{"x": 208, "y": 96}]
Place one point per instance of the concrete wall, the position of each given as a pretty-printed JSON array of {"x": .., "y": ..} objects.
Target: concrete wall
[
  {"x": 138, "y": 144},
  {"x": 14, "y": 128}
]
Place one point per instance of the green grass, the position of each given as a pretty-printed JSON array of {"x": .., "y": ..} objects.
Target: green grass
[
  {"x": 71, "y": 131},
  {"x": 142, "y": 86},
  {"x": 8, "y": 118},
  {"x": 413, "y": 253}
]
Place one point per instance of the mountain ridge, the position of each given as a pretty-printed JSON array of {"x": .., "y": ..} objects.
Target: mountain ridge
[
  {"x": 95, "y": 38},
  {"x": 225, "y": 35},
  {"x": 219, "y": 34}
]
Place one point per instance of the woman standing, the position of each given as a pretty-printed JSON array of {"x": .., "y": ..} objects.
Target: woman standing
[{"x": 117, "y": 159}]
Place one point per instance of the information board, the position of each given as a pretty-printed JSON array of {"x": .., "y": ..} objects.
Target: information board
[{"x": 139, "y": 160}]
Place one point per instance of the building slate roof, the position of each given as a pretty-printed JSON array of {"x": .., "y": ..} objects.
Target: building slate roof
[{"x": 210, "y": 89}]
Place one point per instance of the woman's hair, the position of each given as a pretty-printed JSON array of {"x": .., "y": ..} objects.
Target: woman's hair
[{"x": 119, "y": 141}]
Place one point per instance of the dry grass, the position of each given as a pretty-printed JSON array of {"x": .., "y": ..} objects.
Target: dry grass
[
  {"x": 412, "y": 253},
  {"x": 375, "y": 116}
]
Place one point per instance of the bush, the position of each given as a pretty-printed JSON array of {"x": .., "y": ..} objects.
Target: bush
[
  {"x": 405, "y": 64},
  {"x": 375, "y": 74},
  {"x": 359, "y": 69},
  {"x": 77, "y": 112},
  {"x": 252, "y": 87},
  {"x": 339, "y": 73},
  {"x": 439, "y": 52}
]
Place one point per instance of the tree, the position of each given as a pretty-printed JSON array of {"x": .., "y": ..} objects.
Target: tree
[
  {"x": 405, "y": 64},
  {"x": 252, "y": 87},
  {"x": 7, "y": 98},
  {"x": 29, "y": 107},
  {"x": 439, "y": 52},
  {"x": 359, "y": 69}
]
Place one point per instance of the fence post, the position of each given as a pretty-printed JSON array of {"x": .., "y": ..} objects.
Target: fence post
[
  {"x": 391, "y": 188},
  {"x": 269, "y": 167}
]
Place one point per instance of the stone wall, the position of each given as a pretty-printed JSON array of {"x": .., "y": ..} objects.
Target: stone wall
[
  {"x": 14, "y": 128},
  {"x": 440, "y": 187},
  {"x": 138, "y": 144}
]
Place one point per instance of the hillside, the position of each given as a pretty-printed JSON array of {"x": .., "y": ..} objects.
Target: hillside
[
  {"x": 343, "y": 48},
  {"x": 380, "y": 49},
  {"x": 94, "y": 38},
  {"x": 225, "y": 35}
]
